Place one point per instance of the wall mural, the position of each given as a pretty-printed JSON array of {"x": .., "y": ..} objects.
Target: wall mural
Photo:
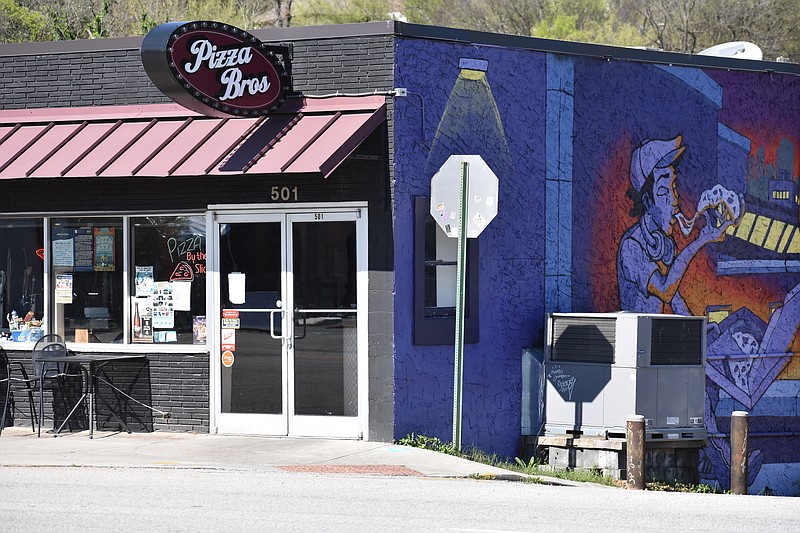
[
  {"x": 623, "y": 186},
  {"x": 721, "y": 240},
  {"x": 746, "y": 354}
]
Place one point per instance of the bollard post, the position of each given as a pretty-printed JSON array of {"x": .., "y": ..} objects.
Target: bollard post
[
  {"x": 739, "y": 445},
  {"x": 635, "y": 444}
]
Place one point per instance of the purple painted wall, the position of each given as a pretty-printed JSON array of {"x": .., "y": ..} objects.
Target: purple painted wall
[
  {"x": 582, "y": 228},
  {"x": 512, "y": 257}
]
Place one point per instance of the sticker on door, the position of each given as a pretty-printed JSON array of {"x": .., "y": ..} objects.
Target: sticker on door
[{"x": 228, "y": 341}]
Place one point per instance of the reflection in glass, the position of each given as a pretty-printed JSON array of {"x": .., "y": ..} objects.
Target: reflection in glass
[
  {"x": 86, "y": 257},
  {"x": 325, "y": 343},
  {"x": 325, "y": 362},
  {"x": 168, "y": 249},
  {"x": 253, "y": 383},
  {"x": 21, "y": 276}
]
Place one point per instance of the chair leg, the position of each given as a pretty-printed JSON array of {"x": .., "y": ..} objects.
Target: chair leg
[
  {"x": 5, "y": 408},
  {"x": 65, "y": 403},
  {"x": 32, "y": 409},
  {"x": 41, "y": 408}
]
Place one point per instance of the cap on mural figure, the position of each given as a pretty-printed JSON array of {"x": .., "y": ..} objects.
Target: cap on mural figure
[{"x": 653, "y": 154}]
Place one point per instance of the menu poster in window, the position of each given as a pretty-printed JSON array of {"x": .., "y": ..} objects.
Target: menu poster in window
[
  {"x": 83, "y": 250},
  {"x": 163, "y": 308},
  {"x": 63, "y": 247},
  {"x": 104, "y": 249},
  {"x": 182, "y": 295},
  {"x": 64, "y": 288},
  {"x": 144, "y": 280},
  {"x": 142, "y": 314}
]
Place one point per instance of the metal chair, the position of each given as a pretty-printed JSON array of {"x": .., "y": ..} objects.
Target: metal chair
[
  {"x": 14, "y": 376},
  {"x": 49, "y": 346}
]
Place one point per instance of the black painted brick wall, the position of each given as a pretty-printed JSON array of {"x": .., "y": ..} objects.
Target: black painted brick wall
[
  {"x": 92, "y": 77},
  {"x": 116, "y": 77},
  {"x": 178, "y": 385}
]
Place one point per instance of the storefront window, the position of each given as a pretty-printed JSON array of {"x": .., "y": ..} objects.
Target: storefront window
[
  {"x": 86, "y": 257},
  {"x": 21, "y": 279},
  {"x": 168, "y": 280}
]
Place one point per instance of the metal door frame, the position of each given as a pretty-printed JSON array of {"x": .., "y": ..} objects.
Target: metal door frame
[{"x": 302, "y": 425}]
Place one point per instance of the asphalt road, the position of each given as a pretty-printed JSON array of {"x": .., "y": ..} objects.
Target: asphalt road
[{"x": 196, "y": 499}]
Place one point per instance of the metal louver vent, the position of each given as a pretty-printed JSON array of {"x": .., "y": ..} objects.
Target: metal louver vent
[
  {"x": 676, "y": 342},
  {"x": 583, "y": 339}
]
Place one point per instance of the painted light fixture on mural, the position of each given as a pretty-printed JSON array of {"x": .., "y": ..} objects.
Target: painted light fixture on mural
[{"x": 217, "y": 69}]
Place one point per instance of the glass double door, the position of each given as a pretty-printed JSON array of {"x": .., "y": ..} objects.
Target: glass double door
[{"x": 287, "y": 333}]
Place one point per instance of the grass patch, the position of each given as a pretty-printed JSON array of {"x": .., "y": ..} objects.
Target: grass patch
[
  {"x": 684, "y": 487},
  {"x": 534, "y": 467}
]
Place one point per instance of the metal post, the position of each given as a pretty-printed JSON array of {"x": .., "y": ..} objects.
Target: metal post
[
  {"x": 739, "y": 445},
  {"x": 635, "y": 448},
  {"x": 461, "y": 267}
]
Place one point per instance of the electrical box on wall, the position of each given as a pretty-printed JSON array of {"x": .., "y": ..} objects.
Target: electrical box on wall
[{"x": 602, "y": 368}]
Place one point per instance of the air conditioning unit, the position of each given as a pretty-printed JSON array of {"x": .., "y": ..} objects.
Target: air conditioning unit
[{"x": 602, "y": 368}]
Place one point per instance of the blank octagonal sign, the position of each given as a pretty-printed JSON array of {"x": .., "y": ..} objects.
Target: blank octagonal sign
[{"x": 481, "y": 198}]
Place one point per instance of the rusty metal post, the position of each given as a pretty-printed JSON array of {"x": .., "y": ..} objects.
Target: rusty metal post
[
  {"x": 739, "y": 445},
  {"x": 635, "y": 452}
]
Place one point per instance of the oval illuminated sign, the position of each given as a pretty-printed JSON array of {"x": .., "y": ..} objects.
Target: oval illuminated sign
[{"x": 214, "y": 68}]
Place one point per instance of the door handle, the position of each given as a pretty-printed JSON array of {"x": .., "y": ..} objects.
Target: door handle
[
  {"x": 272, "y": 324},
  {"x": 287, "y": 338}
]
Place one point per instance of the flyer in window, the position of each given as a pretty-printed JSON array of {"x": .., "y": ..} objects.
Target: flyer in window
[
  {"x": 182, "y": 295},
  {"x": 163, "y": 307},
  {"x": 64, "y": 289},
  {"x": 199, "y": 329},
  {"x": 144, "y": 280},
  {"x": 104, "y": 249},
  {"x": 63, "y": 248},
  {"x": 84, "y": 250},
  {"x": 142, "y": 314}
]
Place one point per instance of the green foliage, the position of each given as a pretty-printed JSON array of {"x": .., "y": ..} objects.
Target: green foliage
[
  {"x": 673, "y": 25},
  {"x": 429, "y": 443},
  {"x": 588, "y": 21},
  {"x": 20, "y": 24},
  {"x": 146, "y": 23},
  {"x": 532, "y": 467},
  {"x": 684, "y": 487},
  {"x": 317, "y": 12}
]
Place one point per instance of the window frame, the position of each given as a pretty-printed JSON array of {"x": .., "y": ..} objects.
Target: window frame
[
  {"x": 438, "y": 328},
  {"x": 126, "y": 261}
]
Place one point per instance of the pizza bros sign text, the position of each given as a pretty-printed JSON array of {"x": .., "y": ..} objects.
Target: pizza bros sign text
[
  {"x": 216, "y": 69},
  {"x": 233, "y": 81}
]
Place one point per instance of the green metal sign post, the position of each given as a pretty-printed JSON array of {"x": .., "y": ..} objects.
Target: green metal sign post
[
  {"x": 467, "y": 182},
  {"x": 461, "y": 267}
]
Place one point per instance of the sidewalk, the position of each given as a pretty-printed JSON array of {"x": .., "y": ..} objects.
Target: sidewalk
[{"x": 20, "y": 447}]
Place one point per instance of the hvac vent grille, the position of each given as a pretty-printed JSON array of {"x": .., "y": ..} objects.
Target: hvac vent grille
[
  {"x": 676, "y": 342},
  {"x": 583, "y": 340}
]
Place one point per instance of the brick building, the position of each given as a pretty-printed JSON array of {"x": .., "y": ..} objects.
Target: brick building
[{"x": 335, "y": 238}]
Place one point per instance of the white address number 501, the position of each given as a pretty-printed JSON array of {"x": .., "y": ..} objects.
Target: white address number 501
[{"x": 283, "y": 194}]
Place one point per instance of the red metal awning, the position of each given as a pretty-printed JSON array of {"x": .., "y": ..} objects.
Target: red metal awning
[{"x": 303, "y": 136}]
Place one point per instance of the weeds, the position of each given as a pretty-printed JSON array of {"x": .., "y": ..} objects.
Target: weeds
[
  {"x": 535, "y": 467},
  {"x": 532, "y": 467},
  {"x": 684, "y": 487}
]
